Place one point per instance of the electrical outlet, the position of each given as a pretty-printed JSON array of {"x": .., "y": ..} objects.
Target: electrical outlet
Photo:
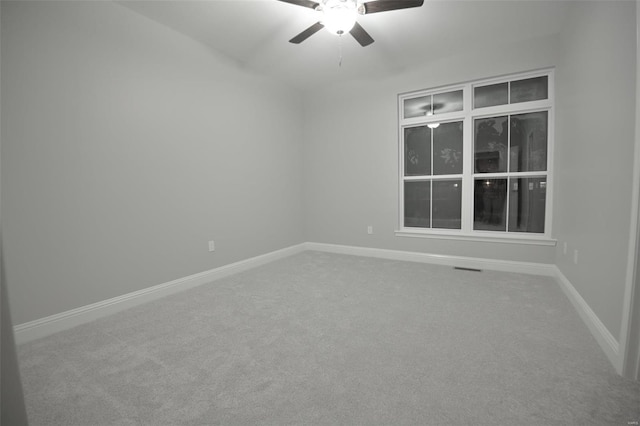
[
  {"x": 369, "y": 229},
  {"x": 575, "y": 257},
  {"x": 564, "y": 248},
  {"x": 212, "y": 246}
]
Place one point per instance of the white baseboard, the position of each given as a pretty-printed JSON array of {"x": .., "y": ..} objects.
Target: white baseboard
[
  {"x": 603, "y": 336},
  {"x": 459, "y": 261},
  {"x": 62, "y": 321},
  {"x": 52, "y": 324}
]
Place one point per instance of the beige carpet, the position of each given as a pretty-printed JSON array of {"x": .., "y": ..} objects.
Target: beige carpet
[{"x": 331, "y": 339}]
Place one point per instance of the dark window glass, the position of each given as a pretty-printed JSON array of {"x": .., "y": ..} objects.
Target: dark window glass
[
  {"x": 489, "y": 207},
  {"x": 529, "y": 142},
  {"x": 447, "y": 102},
  {"x": 530, "y": 89},
  {"x": 417, "y": 206},
  {"x": 417, "y": 107},
  {"x": 494, "y": 94},
  {"x": 491, "y": 144},
  {"x": 447, "y": 149},
  {"x": 527, "y": 199},
  {"x": 447, "y": 203},
  {"x": 417, "y": 151}
]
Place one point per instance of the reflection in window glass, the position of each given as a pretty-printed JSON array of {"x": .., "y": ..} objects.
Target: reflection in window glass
[
  {"x": 447, "y": 149},
  {"x": 494, "y": 94},
  {"x": 489, "y": 205},
  {"x": 529, "y": 142},
  {"x": 417, "y": 107},
  {"x": 491, "y": 144},
  {"x": 447, "y": 203},
  {"x": 447, "y": 102},
  {"x": 490, "y": 137},
  {"x": 417, "y": 208},
  {"x": 527, "y": 204},
  {"x": 530, "y": 89},
  {"x": 417, "y": 151}
]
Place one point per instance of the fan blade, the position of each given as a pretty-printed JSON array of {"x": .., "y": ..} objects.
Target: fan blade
[
  {"x": 307, "y": 33},
  {"x": 304, "y": 3},
  {"x": 361, "y": 35},
  {"x": 385, "y": 5}
]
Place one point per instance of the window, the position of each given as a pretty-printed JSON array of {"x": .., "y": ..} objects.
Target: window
[
  {"x": 433, "y": 176},
  {"x": 476, "y": 159}
]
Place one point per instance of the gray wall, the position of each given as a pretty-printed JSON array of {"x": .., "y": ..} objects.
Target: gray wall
[
  {"x": 12, "y": 407},
  {"x": 594, "y": 152},
  {"x": 634, "y": 341},
  {"x": 125, "y": 148},
  {"x": 351, "y": 150}
]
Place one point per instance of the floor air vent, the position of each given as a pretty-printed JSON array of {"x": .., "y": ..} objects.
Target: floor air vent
[{"x": 467, "y": 269}]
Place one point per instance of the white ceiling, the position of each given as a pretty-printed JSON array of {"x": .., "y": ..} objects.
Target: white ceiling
[{"x": 255, "y": 34}]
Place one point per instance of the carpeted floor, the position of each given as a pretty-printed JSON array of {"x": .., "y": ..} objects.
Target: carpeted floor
[{"x": 330, "y": 339}]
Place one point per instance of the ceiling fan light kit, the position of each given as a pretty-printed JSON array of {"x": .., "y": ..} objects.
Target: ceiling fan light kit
[{"x": 340, "y": 16}]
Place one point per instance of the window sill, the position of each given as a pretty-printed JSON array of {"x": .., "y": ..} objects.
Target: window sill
[{"x": 488, "y": 238}]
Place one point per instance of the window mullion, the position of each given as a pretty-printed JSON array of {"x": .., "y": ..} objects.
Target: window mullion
[
  {"x": 467, "y": 162},
  {"x": 507, "y": 209},
  {"x": 430, "y": 203},
  {"x": 401, "y": 166}
]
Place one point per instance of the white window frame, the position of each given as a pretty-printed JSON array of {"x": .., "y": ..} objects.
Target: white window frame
[{"x": 467, "y": 116}]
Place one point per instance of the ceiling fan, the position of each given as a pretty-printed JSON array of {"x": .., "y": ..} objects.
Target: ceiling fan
[{"x": 340, "y": 16}]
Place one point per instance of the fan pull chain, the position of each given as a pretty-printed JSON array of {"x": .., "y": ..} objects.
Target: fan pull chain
[{"x": 340, "y": 50}]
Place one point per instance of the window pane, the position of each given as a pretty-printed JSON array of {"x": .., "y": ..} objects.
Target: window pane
[
  {"x": 417, "y": 107},
  {"x": 529, "y": 142},
  {"x": 447, "y": 102},
  {"x": 447, "y": 203},
  {"x": 417, "y": 151},
  {"x": 447, "y": 149},
  {"x": 490, "y": 146},
  {"x": 494, "y": 94},
  {"x": 417, "y": 209},
  {"x": 489, "y": 204},
  {"x": 530, "y": 89},
  {"x": 527, "y": 204}
]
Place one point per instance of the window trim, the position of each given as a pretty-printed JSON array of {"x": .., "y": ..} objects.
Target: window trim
[
  {"x": 487, "y": 236},
  {"x": 467, "y": 116}
]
